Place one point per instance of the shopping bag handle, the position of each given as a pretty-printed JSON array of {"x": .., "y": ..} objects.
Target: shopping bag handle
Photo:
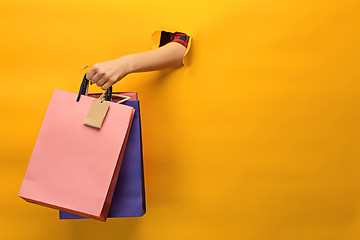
[
  {"x": 124, "y": 98},
  {"x": 85, "y": 86}
]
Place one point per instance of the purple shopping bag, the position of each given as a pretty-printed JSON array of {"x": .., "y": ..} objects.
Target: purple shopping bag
[{"x": 129, "y": 195}]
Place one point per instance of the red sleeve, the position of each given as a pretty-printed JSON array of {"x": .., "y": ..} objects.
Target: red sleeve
[
  {"x": 181, "y": 38},
  {"x": 178, "y": 37}
]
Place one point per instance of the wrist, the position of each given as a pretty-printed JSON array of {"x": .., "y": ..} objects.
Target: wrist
[{"x": 127, "y": 64}]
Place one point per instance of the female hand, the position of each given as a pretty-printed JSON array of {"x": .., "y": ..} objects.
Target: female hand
[{"x": 105, "y": 74}]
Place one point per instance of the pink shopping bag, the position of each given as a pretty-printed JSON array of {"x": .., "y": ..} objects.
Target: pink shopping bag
[{"x": 74, "y": 167}]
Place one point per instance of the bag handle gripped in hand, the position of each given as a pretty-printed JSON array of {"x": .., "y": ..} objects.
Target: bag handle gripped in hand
[
  {"x": 108, "y": 96},
  {"x": 84, "y": 89}
]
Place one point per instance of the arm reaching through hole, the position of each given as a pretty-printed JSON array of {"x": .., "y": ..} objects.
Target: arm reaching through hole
[{"x": 105, "y": 74}]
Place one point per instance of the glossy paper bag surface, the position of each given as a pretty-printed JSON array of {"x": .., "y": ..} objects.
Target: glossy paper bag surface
[{"x": 74, "y": 167}]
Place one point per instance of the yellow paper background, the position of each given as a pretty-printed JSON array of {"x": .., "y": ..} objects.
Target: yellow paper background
[{"x": 256, "y": 139}]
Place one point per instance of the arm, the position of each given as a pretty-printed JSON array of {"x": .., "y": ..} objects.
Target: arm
[{"x": 105, "y": 74}]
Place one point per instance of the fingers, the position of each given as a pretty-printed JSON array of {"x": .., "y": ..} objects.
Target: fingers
[
  {"x": 90, "y": 74},
  {"x": 97, "y": 77},
  {"x": 106, "y": 85},
  {"x": 102, "y": 77},
  {"x": 101, "y": 81},
  {"x": 95, "y": 73}
]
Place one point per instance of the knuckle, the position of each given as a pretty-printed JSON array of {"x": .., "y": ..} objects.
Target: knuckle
[{"x": 106, "y": 76}]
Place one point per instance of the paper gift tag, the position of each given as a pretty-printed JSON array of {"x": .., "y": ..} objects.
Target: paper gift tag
[{"x": 97, "y": 113}]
